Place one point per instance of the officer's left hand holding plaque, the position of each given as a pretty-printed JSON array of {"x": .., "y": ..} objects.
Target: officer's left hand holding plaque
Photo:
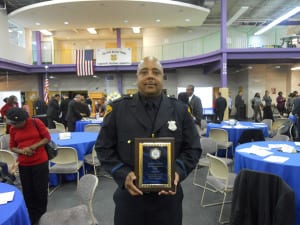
[{"x": 154, "y": 164}]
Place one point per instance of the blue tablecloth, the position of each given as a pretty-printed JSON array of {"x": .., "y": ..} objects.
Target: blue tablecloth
[
  {"x": 83, "y": 142},
  {"x": 234, "y": 132},
  {"x": 80, "y": 124},
  {"x": 14, "y": 212},
  {"x": 288, "y": 171}
]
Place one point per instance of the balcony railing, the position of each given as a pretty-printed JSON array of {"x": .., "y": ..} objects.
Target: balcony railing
[{"x": 235, "y": 39}]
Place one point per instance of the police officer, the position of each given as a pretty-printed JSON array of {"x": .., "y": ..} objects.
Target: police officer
[{"x": 129, "y": 118}]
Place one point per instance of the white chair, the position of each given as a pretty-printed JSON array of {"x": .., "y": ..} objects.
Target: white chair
[
  {"x": 203, "y": 129},
  {"x": 54, "y": 131},
  {"x": 278, "y": 137},
  {"x": 60, "y": 126},
  {"x": 82, "y": 214},
  {"x": 4, "y": 141},
  {"x": 7, "y": 157},
  {"x": 222, "y": 139},
  {"x": 208, "y": 145},
  {"x": 92, "y": 128},
  {"x": 65, "y": 162},
  {"x": 220, "y": 179},
  {"x": 269, "y": 123},
  {"x": 92, "y": 160}
]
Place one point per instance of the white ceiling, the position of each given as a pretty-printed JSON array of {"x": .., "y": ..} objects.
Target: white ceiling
[{"x": 106, "y": 15}]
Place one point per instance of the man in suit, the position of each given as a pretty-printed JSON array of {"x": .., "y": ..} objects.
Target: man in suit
[
  {"x": 240, "y": 106},
  {"x": 77, "y": 109},
  {"x": 64, "y": 108},
  {"x": 149, "y": 113},
  {"x": 53, "y": 111},
  {"x": 221, "y": 105},
  {"x": 195, "y": 103}
]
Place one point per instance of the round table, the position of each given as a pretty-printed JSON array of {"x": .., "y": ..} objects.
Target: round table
[
  {"x": 15, "y": 211},
  {"x": 83, "y": 142},
  {"x": 234, "y": 132},
  {"x": 288, "y": 170}
]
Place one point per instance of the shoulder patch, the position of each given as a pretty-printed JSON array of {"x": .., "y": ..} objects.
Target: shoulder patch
[{"x": 108, "y": 110}]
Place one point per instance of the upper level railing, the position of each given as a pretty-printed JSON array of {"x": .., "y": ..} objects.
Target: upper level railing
[{"x": 235, "y": 39}]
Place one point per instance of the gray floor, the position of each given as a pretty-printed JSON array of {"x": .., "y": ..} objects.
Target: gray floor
[{"x": 193, "y": 213}]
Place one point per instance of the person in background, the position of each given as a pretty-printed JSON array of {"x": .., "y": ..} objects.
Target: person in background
[
  {"x": 296, "y": 113},
  {"x": 195, "y": 103},
  {"x": 289, "y": 102},
  {"x": 89, "y": 102},
  {"x": 100, "y": 107},
  {"x": 2, "y": 116},
  {"x": 12, "y": 101},
  {"x": 40, "y": 106},
  {"x": 53, "y": 111},
  {"x": 240, "y": 106},
  {"x": 267, "y": 106},
  {"x": 280, "y": 103},
  {"x": 148, "y": 113},
  {"x": 229, "y": 102},
  {"x": 28, "y": 139},
  {"x": 221, "y": 105},
  {"x": 63, "y": 108},
  {"x": 25, "y": 106},
  {"x": 257, "y": 105},
  {"x": 77, "y": 109}
]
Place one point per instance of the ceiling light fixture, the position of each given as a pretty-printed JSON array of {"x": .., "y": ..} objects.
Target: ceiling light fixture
[
  {"x": 136, "y": 30},
  {"x": 278, "y": 20},
  {"x": 92, "y": 30},
  {"x": 157, "y": 21},
  {"x": 46, "y": 32},
  {"x": 37, "y": 23},
  {"x": 237, "y": 15},
  {"x": 66, "y": 22},
  {"x": 295, "y": 68}
]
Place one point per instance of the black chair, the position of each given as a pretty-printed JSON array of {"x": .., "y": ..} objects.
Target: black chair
[
  {"x": 251, "y": 135},
  {"x": 262, "y": 198}
]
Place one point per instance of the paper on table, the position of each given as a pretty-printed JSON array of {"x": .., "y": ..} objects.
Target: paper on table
[
  {"x": 297, "y": 143},
  {"x": 6, "y": 197},
  {"x": 277, "y": 159},
  {"x": 256, "y": 150},
  {"x": 226, "y": 126}
]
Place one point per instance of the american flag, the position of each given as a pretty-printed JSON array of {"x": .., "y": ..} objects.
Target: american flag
[
  {"x": 84, "y": 62},
  {"x": 46, "y": 89}
]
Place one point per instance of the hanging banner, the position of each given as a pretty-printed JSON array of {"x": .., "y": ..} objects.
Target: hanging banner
[{"x": 113, "y": 56}]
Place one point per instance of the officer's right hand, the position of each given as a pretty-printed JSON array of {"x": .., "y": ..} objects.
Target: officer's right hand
[{"x": 129, "y": 185}]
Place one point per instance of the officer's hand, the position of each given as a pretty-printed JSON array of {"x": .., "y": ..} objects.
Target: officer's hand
[
  {"x": 176, "y": 181},
  {"x": 129, "y": 185}
]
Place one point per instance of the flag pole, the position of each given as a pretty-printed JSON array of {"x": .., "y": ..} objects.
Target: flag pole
[{"x": 46, "y": 86}]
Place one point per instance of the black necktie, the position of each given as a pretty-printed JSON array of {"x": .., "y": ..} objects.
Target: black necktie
[{"x": 150, "y": 108}]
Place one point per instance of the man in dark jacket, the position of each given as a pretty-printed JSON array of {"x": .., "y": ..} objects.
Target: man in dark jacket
[
  {"x": 64, "y": 108},
  {"x": 53, "y": 111},
  {"x": 77, "y": 109},
  {"x": 221, "y": 105},
  {"x": 149, "y": 113}
]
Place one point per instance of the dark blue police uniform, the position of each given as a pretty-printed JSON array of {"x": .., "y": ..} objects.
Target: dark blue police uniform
[{"x": 115, "y": 145}]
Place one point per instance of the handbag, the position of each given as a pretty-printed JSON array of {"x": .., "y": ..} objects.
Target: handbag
[{"x": 51, "y": 147}]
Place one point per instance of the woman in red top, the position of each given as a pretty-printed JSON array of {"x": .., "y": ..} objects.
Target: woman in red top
[
  {"x": 28, "y": 140},
  {"x": 12, "y": 101}
]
